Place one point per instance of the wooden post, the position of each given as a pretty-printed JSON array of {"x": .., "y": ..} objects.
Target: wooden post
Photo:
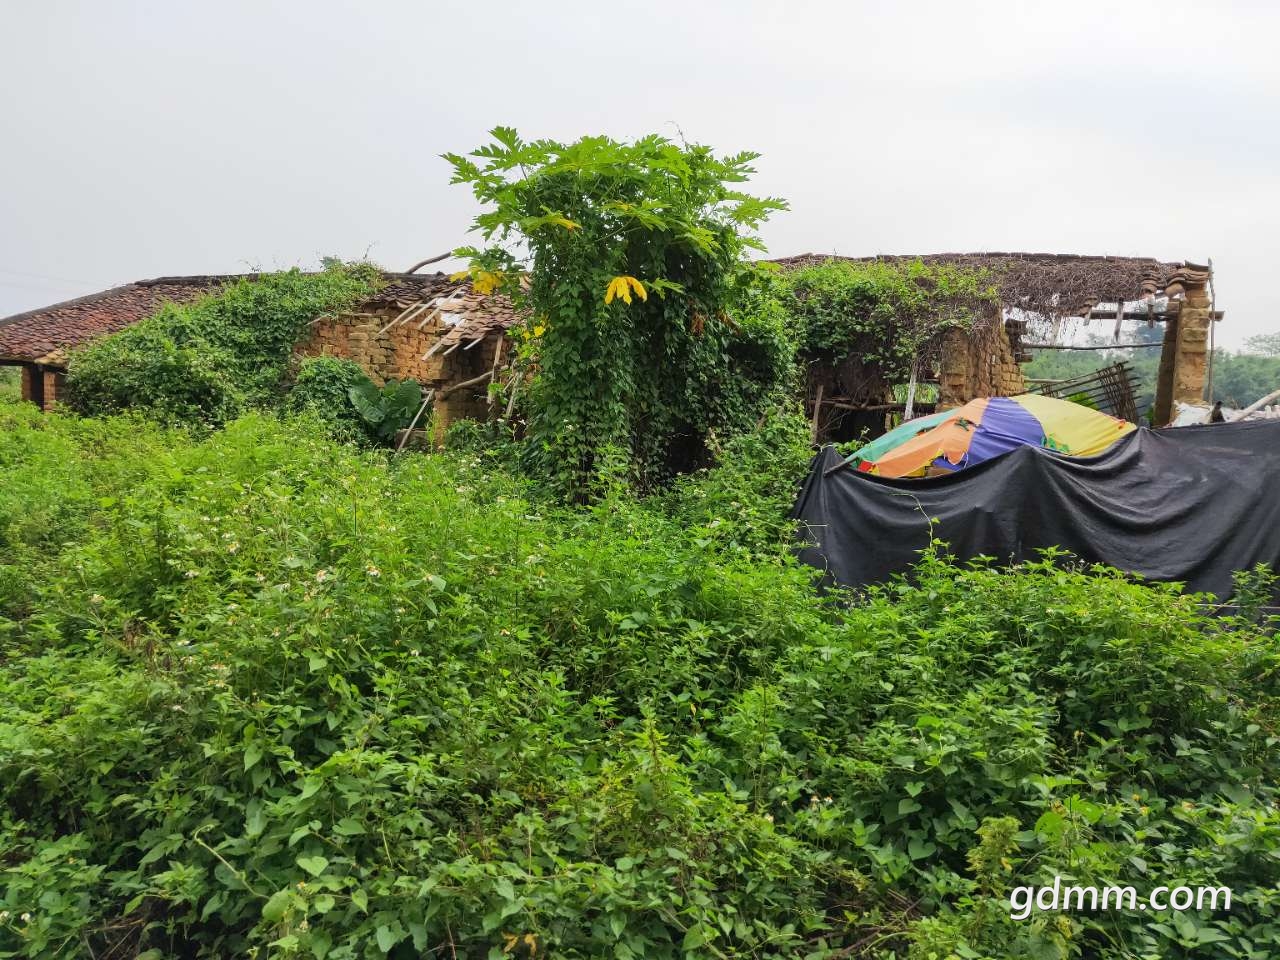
[
  {"x": 817, "y": 409},
  {"x": 493, "y": 374}
]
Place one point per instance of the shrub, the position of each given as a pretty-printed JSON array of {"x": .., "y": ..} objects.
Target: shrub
[
  {"x": 268, "y": 693},
  {"x": 322, "y": 387},
  {"x": 743, "y": 502},
  {"x": 208, "y": 361}
]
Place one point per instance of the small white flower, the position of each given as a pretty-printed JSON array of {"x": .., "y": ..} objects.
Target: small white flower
[
  {"x": 192, "y": 574},
  {"x": 97, "y": 598},
  {"x": 372, "y": 571},
  {"x": 25, "y": 918},
  {"x": 233, "y": 547}
]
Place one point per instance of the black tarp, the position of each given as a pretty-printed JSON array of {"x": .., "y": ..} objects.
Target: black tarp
[{"x": 1191, "y": 504}]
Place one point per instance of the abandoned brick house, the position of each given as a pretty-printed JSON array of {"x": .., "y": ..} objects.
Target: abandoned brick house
[
  {"x": 452, "y": 340},
  {"x": 420, "y": 326},
  {"x": 1038, "y": 294}
]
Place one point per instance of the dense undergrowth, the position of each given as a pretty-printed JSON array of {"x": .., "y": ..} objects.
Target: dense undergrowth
[{"x": 269, "y": 696}]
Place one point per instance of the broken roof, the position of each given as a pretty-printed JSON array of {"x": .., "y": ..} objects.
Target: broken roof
[
  {"x": 1050, "y": 284},
  {"x": 45, "y": 335},
  {"x": 470, "y": 316}
]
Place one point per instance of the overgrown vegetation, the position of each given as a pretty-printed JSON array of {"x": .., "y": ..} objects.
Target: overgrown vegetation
[
  {"x": 339, "y": 393},
  {"x": 629, "y": 260},
  {"x": 322, "y": 388},
  {"x": 206, "y": 362},
  {"x": 267, "y": 695},
  {"x": 886, "y": 317}
]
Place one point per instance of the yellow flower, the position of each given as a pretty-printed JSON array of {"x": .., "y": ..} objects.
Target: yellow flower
[
  {"x": 539, "y": 330},
  {"x": 460, "y": 275},
  {"x": 566, "y": 223},
  {"x": 485, "y": 281},
  {"x": 622, "y": 287}
]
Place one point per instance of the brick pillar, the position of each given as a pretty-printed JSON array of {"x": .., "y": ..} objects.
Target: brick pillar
[
  {"x": 31, "y": 384},
  {"x": 53, "y": 381},
  {"x": 36, "y": 384},
  {"x": 1193, "y": 347},
  {"x": 1185, "y": 353}
]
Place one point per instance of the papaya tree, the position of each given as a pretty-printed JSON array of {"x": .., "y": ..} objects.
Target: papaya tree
[{"x": 629, "y": 258}]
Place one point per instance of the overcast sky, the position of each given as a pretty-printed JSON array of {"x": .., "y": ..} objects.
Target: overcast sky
[{"x": 148, "y": 139}]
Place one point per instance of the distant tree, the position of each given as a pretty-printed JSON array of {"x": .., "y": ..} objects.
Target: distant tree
[
  {"x": 1241, "y": 378},
  {"x": 1264, "y": 344}
]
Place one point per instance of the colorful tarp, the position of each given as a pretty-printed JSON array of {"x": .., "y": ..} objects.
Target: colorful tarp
[{"x": 985, "y": 428}]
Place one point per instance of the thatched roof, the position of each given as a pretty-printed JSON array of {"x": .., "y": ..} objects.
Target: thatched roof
[{"x": 1049, "y": 284}]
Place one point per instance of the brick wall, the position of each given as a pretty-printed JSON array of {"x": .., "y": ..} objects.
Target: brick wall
[
  {"x": 980, "y": 365},
  {"x": 397, "y": 352}
]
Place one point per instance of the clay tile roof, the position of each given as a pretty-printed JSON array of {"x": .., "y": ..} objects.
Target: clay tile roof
[
  {"x": 44, "y": 335},
  {"x": 1050, "y": 283},
  {"x": 470, "y": 316}
]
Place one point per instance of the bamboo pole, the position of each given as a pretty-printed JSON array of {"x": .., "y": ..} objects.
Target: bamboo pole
[{"x": 414, "y": 422}]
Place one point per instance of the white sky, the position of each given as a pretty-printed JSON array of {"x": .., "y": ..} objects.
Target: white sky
[{"x": 145, "y": 139}]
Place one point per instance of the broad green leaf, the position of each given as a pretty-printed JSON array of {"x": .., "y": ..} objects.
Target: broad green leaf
[{"x": 314, "y": 865}]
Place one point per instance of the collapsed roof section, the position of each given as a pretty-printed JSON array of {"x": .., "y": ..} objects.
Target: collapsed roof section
[
  {"x": 470, "y": 316},
  {"x": 45, "y": 336}
]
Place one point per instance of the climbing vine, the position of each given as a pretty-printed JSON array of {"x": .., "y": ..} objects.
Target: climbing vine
[
  {"x": 208, "y": 361},
  {"x": 874, "y": 321},
  {"x": 629, "y": 259}
]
